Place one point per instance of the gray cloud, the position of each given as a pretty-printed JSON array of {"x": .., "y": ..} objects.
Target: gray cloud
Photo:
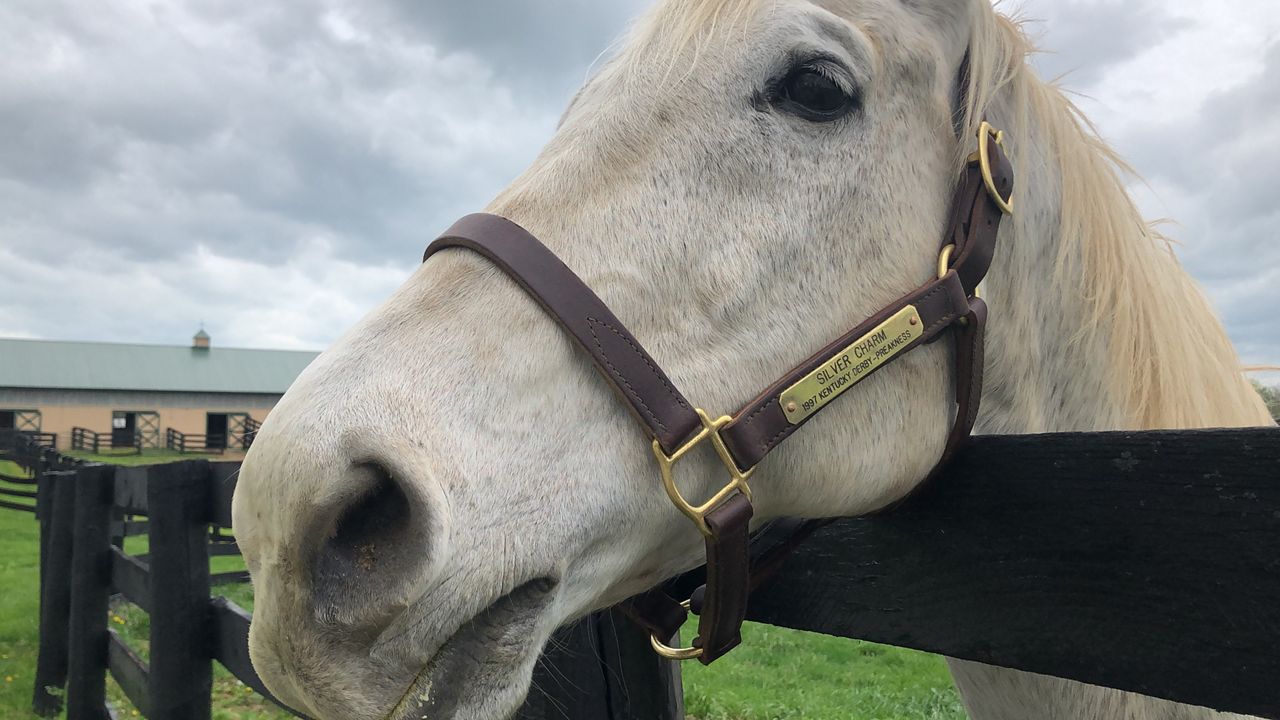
[
  {"x": 550, "y": 41},
  {"x": 248, "y": 131},
  {"x": 1084, "y": 39},
  {"x": 1223, "y": 165},
  {"x": 276, "y": 168}
]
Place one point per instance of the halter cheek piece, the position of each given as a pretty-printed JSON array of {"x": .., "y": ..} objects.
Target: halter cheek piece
[{"x": 948, "y": 301}]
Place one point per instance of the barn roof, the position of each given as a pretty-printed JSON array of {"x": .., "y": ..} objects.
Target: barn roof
[{"x": 62, "y": 365}]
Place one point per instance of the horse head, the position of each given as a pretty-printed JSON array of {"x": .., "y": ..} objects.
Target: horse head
[{"x": 741, "y": 183}]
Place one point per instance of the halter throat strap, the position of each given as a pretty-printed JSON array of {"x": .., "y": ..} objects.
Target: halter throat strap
[{"x": 741, "y": 441}]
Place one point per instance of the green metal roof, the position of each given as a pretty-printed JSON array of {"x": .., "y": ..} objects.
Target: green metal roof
[{"x": 102, "y": 366}]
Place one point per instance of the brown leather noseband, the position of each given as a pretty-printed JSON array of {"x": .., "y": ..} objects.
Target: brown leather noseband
[{"x": 676, "y": 427}]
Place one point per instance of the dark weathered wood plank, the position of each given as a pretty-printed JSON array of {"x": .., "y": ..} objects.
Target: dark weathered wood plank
[
  {"x": 641, "y": 685},
  {"x": 56, "y": 533},
  {"x": 223, "y": 549},
  {"x": 602, "y": 668},
  {"x": 569, "y": 680},
  {"x": 23, "y": 494},
  {"x": 224, "y": 475},
  {"x": 131, "y": 578},
  {"x": 90, "y": 594},
  {"x": 181, "y": 675},
  {"x": 133, "y": 528},
  {"x": 130, "y": 673},
  {"x": 237, "y": 577},
  {"x": 131, "y": 489},
  {"x": 231, "y": 646},
  {"x": 1145, "y": 562}
]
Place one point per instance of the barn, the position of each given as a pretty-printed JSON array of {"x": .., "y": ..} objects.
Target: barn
[{"x": 100, "y": 396}]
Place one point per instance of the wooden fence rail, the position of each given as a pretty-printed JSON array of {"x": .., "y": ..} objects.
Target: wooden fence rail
[
  {"x": 1145, "y": 562},
  {"x": 86, "y": 440},
  {"x": 191, "y": 443}
]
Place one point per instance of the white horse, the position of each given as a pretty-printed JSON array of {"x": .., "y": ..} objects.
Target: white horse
[{"x": 743, "y": 182}]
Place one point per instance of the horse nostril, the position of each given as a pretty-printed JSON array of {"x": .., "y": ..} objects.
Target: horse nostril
[
  {"x": 372, "y": 549},
  {"x": 381, "y": 514}
]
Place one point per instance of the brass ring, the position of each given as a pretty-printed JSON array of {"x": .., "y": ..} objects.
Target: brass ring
[
  {"x": 677, "y": 654},
  {"x": 944, "y": 266},
  {"x": 988, "y": 176},
  {"x": 944, "y": 260}
]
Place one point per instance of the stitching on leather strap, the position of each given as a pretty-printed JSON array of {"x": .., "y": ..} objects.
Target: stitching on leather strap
[
  {"x": 666, "y": 383},
  {"x": 620, "y": 377}
]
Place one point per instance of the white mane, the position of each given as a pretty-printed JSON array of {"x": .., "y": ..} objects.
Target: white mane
[{"x": 1171, "y": 361}]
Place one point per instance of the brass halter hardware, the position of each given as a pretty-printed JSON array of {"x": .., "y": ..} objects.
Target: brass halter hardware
[
  {"x": 944, "y": 266},
  {"x": 677, "y": 654},
  {"x": 698, "y": 513},
  {"x": 984, "y": 157},
  {"x": 738, "y": 478}
]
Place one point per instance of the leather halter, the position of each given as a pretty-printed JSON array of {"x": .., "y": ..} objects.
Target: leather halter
[{"x": 677, "y": 427}]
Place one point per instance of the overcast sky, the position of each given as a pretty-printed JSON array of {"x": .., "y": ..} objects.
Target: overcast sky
[{"x": 274, "y": 169}]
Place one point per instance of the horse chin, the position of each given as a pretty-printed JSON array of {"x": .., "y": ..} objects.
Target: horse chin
[{"x": 484, "y": 670}]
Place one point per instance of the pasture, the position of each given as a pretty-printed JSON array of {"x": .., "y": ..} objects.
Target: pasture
[{"x": 779, "y": 675}]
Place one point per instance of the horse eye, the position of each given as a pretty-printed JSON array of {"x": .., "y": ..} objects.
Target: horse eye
[{"x": 812, "y": 93}]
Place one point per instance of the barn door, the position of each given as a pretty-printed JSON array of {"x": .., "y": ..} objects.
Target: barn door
[
  {"x": 20, "y": 420},
  {"x": 215, "y": 431},
  {"x": 129, "y": 427},
  {"x": 148, "y": 428},
  {"x": 237, "y": 425},
  {"x": 123, "y": 427}
]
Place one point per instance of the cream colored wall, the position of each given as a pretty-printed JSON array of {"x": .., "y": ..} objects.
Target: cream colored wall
[{"x": 61, "y": 419}]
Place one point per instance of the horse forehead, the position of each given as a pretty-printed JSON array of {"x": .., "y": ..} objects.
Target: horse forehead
[{"x": 907, "y": 24}]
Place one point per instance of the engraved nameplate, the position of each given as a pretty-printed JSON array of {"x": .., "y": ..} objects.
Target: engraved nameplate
[{"x": 852, "y": 366}]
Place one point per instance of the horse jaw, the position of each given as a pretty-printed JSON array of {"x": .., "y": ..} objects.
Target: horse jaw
[{"x": 734, "y": 240}]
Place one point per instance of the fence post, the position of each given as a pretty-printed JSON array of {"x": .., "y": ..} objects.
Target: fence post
[
  {"x": 603, "y": 668},
  {"x": 642, "y": 686},
  {"x": 57, "y": 523},
  {"x": 181, "y": 627},
  {"x": 90, "y": 594}
]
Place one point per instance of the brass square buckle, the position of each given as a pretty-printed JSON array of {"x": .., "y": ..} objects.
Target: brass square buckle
[
  {"x": 738, "y": 478},
  {"x": 983, "y": 156},
  {"x": 698, "y": 513}
]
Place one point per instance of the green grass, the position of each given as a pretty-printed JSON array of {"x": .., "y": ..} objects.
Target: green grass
[
  {"x": 776, "y": 674},
  {"x": 19, "y": 578},
  {"x": 10, "y": 468},
  {"x": 786, "y": 675},
  {"x": 148, "y": 457},
  {"x": 13, "y": 470}
]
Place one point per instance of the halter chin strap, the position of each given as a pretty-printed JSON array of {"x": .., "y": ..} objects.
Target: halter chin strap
[{"x": 743, "y": 440}]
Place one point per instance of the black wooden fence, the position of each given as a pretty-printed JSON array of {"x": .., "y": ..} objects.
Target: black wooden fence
[
  {"x": 87, "y": 510},
  {"x": 18, "y": 490},
  {"x": 86, "y": 440},
  {"x": 191, "y": 443},
  {"x": 1144, "y": 562}
]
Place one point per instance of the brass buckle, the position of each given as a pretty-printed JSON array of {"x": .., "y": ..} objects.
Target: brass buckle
[
  {"x": 944, "y": 266},
  {"x": 983, "y": 156},
  {"x": 677, "y": 654},
  {"x": 698, "y": 513},
  {"x": 738, "y": 478}
]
